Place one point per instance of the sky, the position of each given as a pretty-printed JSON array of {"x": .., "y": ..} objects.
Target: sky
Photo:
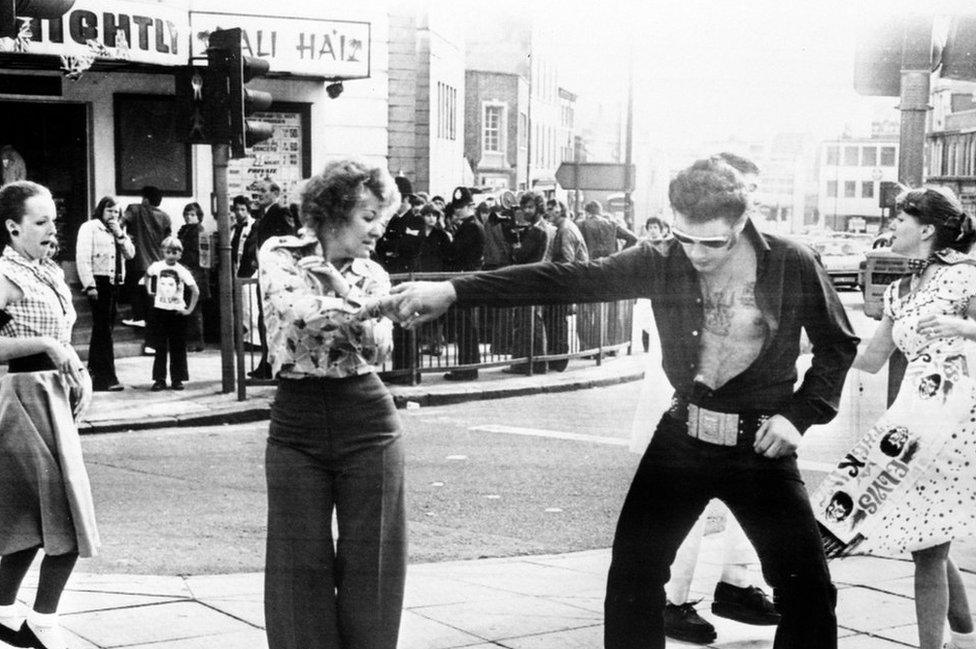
[{"x": 717, "y": 69}]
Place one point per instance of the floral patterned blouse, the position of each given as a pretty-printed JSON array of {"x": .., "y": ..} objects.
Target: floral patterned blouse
[{"x": 312, "y": 332}]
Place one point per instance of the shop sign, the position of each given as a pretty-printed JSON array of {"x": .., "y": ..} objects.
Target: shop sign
[
  {"x": 278, "y": 158},
  {"x": 328, "y": 49},
  {"x": 127, "y": 30}
]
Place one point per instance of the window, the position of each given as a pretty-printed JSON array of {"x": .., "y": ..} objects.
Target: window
[
  {"x": 850, "y": 189},
  {"x": 833, "y": 155},
  {"x": 963, "y": 101},
  {"x": 446, "y": 112},
  {"x": 148, "y": 149},
  {"x": 867, "y": 189},
  {"x": 850, "y": 156},
  {"x": 492, "y": 139},
  {"x": 869, "y": 156},
  {"x": 831, "y": 189},
  {"x": 888, "y": 156}
]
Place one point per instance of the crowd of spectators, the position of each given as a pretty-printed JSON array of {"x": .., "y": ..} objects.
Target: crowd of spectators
[
  {"x": 475, "y": 231},
  {"x": 469, "y": 231}
]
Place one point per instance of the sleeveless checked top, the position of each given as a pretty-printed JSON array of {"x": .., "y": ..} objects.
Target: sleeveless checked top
[{"x": 45, "y": 308}]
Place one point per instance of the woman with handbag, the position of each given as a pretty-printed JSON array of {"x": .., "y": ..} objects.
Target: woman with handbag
[{"x": 46, "y": 499}]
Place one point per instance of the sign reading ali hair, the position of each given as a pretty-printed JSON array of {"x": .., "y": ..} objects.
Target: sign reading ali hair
[
  {"x": 328, "y": 49},
  {"x": 128, "y": 30}
]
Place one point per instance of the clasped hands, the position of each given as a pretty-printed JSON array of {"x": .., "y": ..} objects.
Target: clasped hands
[{"x": 412, "y": 303}]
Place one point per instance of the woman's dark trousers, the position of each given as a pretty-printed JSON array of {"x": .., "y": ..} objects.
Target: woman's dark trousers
[
  {"x": 334, "y": 446},
  {"x": 101, "y": 348}
]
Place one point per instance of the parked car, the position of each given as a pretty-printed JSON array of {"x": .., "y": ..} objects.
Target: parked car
[{"x": 842, "y": 257}]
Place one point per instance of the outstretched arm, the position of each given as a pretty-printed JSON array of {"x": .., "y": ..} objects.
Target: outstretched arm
[{"x": 874, "y": 356}]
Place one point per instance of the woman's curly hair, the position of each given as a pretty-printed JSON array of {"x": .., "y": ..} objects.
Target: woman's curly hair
[{"x": 329, "y": 198}]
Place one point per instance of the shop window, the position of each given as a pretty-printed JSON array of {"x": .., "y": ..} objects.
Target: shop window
[{"x": 147, "y": 149}]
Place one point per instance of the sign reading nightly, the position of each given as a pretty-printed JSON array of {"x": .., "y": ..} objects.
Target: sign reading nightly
[
  {"x": 329, "y": 49},
  {"x": 143, "y": 32}
]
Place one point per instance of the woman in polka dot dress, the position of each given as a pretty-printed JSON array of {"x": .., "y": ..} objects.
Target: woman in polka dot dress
[{"x": 909, "y": 485}]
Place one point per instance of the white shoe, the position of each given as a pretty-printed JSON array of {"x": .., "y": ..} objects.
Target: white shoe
[
  {"x": 148, "y": 351},
  {"x": 134, "y": 323}
]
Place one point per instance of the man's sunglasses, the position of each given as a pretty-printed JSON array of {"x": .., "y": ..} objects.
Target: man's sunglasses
[{"x": 708, "y": 242}]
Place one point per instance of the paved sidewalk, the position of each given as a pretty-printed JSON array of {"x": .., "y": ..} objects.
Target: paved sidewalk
[
  {"x": 202, "y": 403},
  {"x": 540, "y": 602}
]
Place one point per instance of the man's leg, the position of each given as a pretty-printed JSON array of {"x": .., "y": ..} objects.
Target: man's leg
[
  {"x": 668, "y": 493},
  {"x": 681, "y": 620},
  {"x": 770, "y": 501},
  {"x": 738, "y": 595}
]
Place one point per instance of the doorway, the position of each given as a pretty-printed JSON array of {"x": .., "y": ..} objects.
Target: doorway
[{"x": 52, "y": 140}]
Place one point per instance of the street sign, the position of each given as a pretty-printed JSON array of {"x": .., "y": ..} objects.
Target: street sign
[{"x": 605, "y": 176}]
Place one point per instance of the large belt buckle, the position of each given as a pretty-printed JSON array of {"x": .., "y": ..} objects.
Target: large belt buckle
[{"x": 721, "y": 428}]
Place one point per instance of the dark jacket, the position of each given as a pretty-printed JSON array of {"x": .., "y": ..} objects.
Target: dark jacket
[
  {"x": 531, "y": 245},
  {"x": 793, "y": 292},
  {"x": 434, "y": 249},
  {"x": 467, "y": 251}
]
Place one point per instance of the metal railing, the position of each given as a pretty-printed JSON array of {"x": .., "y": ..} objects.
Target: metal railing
[{"x": 532, "y": 339}]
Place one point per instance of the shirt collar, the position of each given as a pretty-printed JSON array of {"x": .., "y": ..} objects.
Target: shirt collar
[{"x": 10, "y": 253}]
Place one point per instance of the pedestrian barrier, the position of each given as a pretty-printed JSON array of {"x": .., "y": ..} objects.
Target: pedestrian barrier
[{"x": 530, "y": 339}]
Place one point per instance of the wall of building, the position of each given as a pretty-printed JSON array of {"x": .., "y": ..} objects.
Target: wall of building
[
  {"x": 442, "y": 42},
  {"x": 481, "y": 89}
]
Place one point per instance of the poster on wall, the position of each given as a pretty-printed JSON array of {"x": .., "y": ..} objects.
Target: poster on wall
[{"x": 278, "y": 158}]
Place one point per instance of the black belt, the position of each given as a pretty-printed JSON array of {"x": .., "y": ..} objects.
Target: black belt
[
  {"x": 714, "y": 427},
  {"x": 32, "y": 363}
]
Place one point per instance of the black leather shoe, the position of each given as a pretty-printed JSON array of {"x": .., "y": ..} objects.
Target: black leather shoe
[
  {"x": 158, "y": 386},
  {"x": 682, "y": 622},
  {"x": 466, "y": 375},
  {"x": 10, "y": 636},
  {"x": 747, "y": 605}
]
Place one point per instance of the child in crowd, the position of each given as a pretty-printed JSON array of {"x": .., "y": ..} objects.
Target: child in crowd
[{"x": 166, "y": 282}]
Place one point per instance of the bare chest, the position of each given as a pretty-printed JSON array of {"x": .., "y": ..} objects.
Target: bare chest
[{"x": 733, "y": 330}]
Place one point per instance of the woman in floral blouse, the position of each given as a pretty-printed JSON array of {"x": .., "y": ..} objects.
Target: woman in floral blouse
[{"x": 334, "y": 443}]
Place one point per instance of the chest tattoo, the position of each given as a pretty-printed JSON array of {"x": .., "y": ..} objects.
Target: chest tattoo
[{"x": 720, "y": 306}]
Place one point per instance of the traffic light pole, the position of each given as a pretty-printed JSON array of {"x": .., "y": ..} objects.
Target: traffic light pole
[
  {"x": 914, "y": 105},
  {"x": 221, "y": 155}
]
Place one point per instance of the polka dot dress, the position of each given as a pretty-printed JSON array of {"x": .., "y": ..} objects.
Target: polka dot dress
[{"x": 941, "y": 505}]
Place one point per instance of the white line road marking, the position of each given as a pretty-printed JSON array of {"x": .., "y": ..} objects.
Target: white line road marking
[
  {"x": 551, "y": 434},
  {"x": 806, "y": 465}
]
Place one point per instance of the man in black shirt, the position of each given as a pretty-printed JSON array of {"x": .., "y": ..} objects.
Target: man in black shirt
[{"x": 729, "y": 303}]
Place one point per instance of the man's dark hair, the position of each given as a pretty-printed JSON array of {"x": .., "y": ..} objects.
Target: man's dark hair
[
  {"x": 535, "y": 199},
  {"x": 654, "y": 221},
  {"x": 241, "y": 199},
  {"x": 593, "y": 207},
  {"x": 437, "y": 197},
  {"x": 152, "y": 195},
  {"x": 707, "y": 190},
  {"x": 737, "y": 162}
]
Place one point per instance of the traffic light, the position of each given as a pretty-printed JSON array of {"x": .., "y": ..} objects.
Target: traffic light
[
  {"x": 10, "y": 10},
  {"x": 201, "y": 98},
  {"x": 231, "y": 108}
]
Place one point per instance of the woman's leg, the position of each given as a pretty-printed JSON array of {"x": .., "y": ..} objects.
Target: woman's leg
[
  {"x": 299, "y": 577},
  {"x": 931, "y": 594},
  {"x": 52, "y": 580},
  {"x": 960, "y": 618},
  {"x": 13, "y": 567}
]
